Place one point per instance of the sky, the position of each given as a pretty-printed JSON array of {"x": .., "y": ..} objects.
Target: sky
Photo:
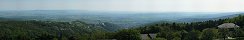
[{"x": 127, "y": 5}]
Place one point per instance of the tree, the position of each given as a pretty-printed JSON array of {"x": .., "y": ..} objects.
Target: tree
[
  {"x": 238, "y": 33},
  {"x": 128, "y": 35},
  {"x": 192, "y": 35},
  {"x": 208, "y": 34},
  {"x": 75, "y": 36},
  {"x": 166, "y": 34},
  {"x": 154, "y": 29}
]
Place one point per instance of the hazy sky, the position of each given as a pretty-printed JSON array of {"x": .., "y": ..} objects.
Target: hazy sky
[{"x": 127, "y": 5}]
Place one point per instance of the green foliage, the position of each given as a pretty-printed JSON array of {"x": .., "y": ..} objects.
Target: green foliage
[
  {"x": 128, "y": 35},
  {"x": 160, "y": 39},
  {"x": 46, "y": 30},
  {"x": 176, "y": 38},
  {"x": 192, "y": 35},
  {"x": 208, "y": 34},
  {"x": 206, "y": 30},
  {"x": 166, "y": 34}
]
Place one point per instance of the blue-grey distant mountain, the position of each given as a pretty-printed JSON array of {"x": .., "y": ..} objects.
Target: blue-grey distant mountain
[{"x": 225, "y": 15}]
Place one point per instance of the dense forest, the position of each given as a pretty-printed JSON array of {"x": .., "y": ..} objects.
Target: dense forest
[
  {"x": 206, "y": 30},
  {"x": 45, "y": 30},
  {"x": 78, "y": 30}
]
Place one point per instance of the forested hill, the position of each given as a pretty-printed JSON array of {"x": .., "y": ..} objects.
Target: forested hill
[
  {"x": 206, "y": 19},
  {"x": 47, "y": 30},
  {"x": 206, "y": 30}
]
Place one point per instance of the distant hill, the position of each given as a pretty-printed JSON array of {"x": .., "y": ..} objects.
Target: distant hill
[
  {"x": 230, "y": 16},
  {"x": 206, "y": 19}
]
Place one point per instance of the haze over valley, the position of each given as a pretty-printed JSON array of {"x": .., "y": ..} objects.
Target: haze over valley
[{"x": 123, "y": 19}]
